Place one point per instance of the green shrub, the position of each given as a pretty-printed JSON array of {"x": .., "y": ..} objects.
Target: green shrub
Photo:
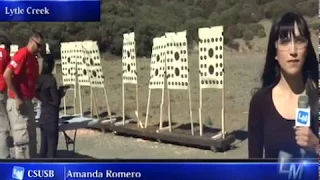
[
  {"x": 276, "y": 9},
  {"x": 234, "y": 32},
  {"x": 248, "y": 35},
  {"x": 307, "y": 8},
  {"x": 261, "y": 2},
  {"x": 261, "y": 33},
  {"x": 152, "y": 18},
  {"x": 255, "y": 27}
]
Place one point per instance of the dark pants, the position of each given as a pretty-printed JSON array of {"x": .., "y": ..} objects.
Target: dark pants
[{"x": 49, "y": 139}]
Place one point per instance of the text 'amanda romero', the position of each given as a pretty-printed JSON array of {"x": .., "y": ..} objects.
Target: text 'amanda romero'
[
  {"x": 26, "y": 11},
  {"x": 103, "y": 174}
]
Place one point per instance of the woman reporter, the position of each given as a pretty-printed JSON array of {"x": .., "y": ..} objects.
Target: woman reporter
[{"x": 291, "y": 70}]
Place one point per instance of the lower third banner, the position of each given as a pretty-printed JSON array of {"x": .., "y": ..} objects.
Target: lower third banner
[
  {"x": 158, "y": 171},
  {"x": 49, "y": 10}
]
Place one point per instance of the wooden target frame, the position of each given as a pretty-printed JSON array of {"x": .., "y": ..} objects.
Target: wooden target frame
[
  {"x": 212, "y": 85},
  {"x": 73, "y": 86},
  {"x": 93, "y": 88},
  {"x": 129, "y": 42},
  {"x": 77, "y": 88},
  {"x": 157, "y": 44},
  {"x": 170, "y": 127}
]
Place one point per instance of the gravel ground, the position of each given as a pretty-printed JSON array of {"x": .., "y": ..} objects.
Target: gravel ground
[{"x": 93, "y": 144}]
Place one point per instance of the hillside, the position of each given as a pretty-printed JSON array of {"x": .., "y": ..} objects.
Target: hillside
[{"x": 150, "y": 18}]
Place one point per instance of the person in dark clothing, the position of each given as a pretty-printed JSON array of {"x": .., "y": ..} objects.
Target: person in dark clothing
[
  {"x": 291, "y": 70},
  {"x": 50, "y": 97}
]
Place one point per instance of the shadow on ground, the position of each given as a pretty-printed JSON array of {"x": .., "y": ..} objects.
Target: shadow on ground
[
  {"x": 181, "y": 135},
  {"x": 101, "y": 115},
  {"x": 240, "y": 135},
  {"x": 67, "y": 108},
  {"x": 70, "y": 154}
]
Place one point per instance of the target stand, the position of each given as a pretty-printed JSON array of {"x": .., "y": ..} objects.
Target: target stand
[
  {"x": 162, "y": 77},
  {"x": 211, "y": 74},
  {"x": 81, "y": 68},
  {"x": 129, "y": 77},
  {"x": 158, "y": 77},
  {"x": 179, "y": 136},
  {"x": 91, "y": 73},
  {"x": 69, "y": 75}
]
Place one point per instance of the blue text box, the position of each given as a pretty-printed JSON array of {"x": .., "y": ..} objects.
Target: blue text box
[
  {"x": 157, "y": 171},
  {"x": 46, "y": 11}
]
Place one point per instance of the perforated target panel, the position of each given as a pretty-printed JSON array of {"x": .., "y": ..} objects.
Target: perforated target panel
[
  {"x": 68, "y": 64},
  {"x": 177, "y": 60},
  {"x": 93, "y": 62},
  {"x": 158, "y": 63},
  {"x": 211, "y": 64},
  {"x": 129, "y": 69},
  {"x": 13, "y": 49},
  {"x": 82, "y": 69},
  {"x": 48, "y": 48}
]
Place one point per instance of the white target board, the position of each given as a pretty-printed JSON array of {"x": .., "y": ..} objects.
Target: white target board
[
  {"x": 48, "y": 49},
  {"x": 177, "y": 61},
  {"x": 13, "y": 49},
  {"x": 82, "y": 69},
  {"x": 211, "y": 64},
  {"x": 68, "y": 64},
  {"x": 158, "y": 63},
  {"x": 93, "y": 63},
  {"x": 129, "y": 68}
]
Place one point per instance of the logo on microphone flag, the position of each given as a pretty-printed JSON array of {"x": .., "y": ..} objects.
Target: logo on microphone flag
[{"x": 303, "y": 117}]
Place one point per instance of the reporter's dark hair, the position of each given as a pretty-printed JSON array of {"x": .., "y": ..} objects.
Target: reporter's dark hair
[
  {"x": 271, "y": 72},
  {"x": 281, "y": 28},
  {"x": 48, "y": 64},
  {"x": 312, "y": 93}
]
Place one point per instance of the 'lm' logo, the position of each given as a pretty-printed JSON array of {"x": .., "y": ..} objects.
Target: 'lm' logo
[
  {"x": 303, "y": 117},
  {"x": 18, "y": 172},
  {"x": 293, "y": 171}
]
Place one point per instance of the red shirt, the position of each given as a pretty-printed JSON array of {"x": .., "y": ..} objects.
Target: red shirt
[
  {"x": 25, "y": 67},
  {"x": 4, "y": 61}
]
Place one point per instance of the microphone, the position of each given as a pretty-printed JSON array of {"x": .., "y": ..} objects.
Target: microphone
[
  {"x": 303, "y": 115},
  {"x": 302, "y": 120},
  {"x": 303, "y": 112}
]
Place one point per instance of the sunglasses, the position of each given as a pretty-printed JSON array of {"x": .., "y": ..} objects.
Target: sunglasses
[{"x": 37, "y": 43}]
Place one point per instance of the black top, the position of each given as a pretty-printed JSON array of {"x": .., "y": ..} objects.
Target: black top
[
  {"x": 50, "y": 98},
  {"x": 268, "y": 131}
]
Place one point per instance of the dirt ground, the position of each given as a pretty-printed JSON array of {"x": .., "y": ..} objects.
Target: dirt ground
[
  {"x": 242, "y": 73},
  {"x": 95, "y": 145}
]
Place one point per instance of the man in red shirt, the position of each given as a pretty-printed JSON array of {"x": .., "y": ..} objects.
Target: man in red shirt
[
  {"x": 4, "y": 121},
  {"x": 21, "y": 77}
]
